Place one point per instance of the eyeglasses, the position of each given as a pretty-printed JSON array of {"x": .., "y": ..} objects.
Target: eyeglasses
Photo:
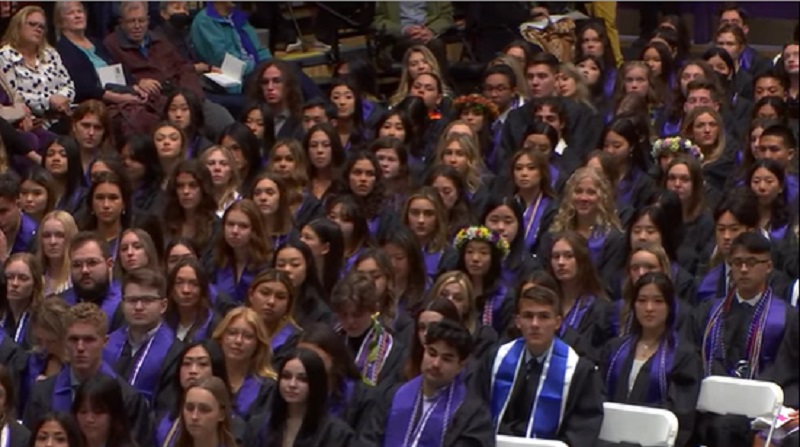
[
  {"x": 749, "y": 262},
  {"x": 496, "y": 88},
  {"x": 81, "y": 263},
  {"x": 136, "y": 21},
  {"x": 37, "y": 25},
  {"x": 144, "y": 299}
]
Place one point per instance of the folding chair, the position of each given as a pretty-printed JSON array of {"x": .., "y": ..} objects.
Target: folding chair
[
  {"x": 512, "y": 441},
  {"x": 651, "y": 427},
  {"x": 741, "y": 397}
]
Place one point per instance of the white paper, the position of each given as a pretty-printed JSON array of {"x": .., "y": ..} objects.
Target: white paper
[
  {"x": 232, "y": 71},
  {"x": 111, "y": 74}
]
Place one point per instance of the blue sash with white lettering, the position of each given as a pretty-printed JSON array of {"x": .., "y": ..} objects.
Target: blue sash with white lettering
[{"x": 548, "y": 405}]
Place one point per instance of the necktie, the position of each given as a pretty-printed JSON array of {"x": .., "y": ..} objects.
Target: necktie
[
  {"x": 534, "y": 370},
  {"x": 125, "y": 360}
]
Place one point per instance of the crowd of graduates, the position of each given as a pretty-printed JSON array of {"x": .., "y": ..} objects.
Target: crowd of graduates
[{"x": 287, "y": 265}]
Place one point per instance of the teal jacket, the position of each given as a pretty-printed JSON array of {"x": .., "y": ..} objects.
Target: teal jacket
[{"x": 214, "y": 35}]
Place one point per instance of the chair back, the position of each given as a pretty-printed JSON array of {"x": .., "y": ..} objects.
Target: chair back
[
  {"x": 651, "y": 427},
  {"x": 513, "y": 441},
  {"x": 742, "y": 397}
]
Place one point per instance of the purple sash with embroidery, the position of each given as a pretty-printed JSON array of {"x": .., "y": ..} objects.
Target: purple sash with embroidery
[
  {"x": 408, "y": 425},
  {"x": 660, "y": 366},
  {"x": 765, "y": 333},
  {"x": 432, "y": 262},
  {"x": 532, "y": 220},
  {"x": 247, "y": 395},
  {"x": 280, "y": 338}
]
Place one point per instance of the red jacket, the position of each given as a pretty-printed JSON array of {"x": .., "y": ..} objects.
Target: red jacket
[{"x": 163, "y": 62}]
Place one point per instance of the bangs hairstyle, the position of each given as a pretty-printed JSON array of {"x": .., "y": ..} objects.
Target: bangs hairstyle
[
  {"x": 351, "y": 211},
  {"x": 541, "y": 162},
  {"x": 402, "y": 238},
  {"x": 543, "y": 296},
  {"x": 197, "y": 120},
  {"x": 103, "y": 394},
  {"x": 261, "y": 362},
  {"x": 567, "y": 217},
  {"x": 667, "y": 289}
]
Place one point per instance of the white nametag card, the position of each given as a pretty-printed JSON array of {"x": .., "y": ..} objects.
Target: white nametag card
[
  {"x": 111, "y": 74},
  {"x": 232, "y": 71}
]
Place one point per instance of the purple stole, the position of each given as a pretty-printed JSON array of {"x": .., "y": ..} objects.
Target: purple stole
[
  {"x": 367, "y": 107},
  {"x": 432, "y": 262},
  {"x": 792, "y": 187},
  {"x": 596, "y": 243},
  {"x": 226, "y": 282},
  {"x": 609, "y": 83},
  {"x": 626, "y": 187},
  {"x": 71, "y": 202},
  {"x": 337, "y": 408},
  {"x": 491, "y": 309},
  {"x": 660, "y": 366},
  {"x": 408, "y": 426},
  {"x": 279, "y": 339},
  {"x": 746, "y": 58},
  {"x": 764, "y": 333},
  {"x": 555, "y": 174},
  {"x": 146, "y": 368},
  {"x": 26, "y": 234},
  {"x": 575, "y": 315},
  {"x": 201, "y": 333},
  {"x": 61, "y": 400},
  {"x": 246, "y": 395},
  {"x": 670, "y": 128},
  {"x": 709, "y": 285},
  {"x": 279, "y": 240},
  {"x": 350, "y": 262},
  {"x": 163, "y": 430},
  {"x": 777, "y": 234},
  {"x": 616, "y": 318},
  {"x": 374, "y": 225},
  {"x": 532, "y": 218},
  {"x": 110, "y": 303}
]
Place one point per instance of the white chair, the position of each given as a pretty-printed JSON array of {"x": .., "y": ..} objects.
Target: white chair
[
  {"x": 741, "y": 397},
  {"x": 512, "y": 441},
  {"x": 651, "y": 427}
]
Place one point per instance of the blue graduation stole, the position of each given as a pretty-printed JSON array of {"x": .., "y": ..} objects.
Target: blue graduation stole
[
  {"x": 26, "y": 234},
  {"x": 279, "y": 339},
  {"x": 237, "y": 290},
  {"x": 61, "y": 399},
  {"x": 247, "y": 395},
  {"x": 551, "y": 396}
]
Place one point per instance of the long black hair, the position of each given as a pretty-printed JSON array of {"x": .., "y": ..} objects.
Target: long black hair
[
  {"x": 218, "y": 369},
  {"x": 316, "y": 403},
  {"x": 67, "y": 423}
]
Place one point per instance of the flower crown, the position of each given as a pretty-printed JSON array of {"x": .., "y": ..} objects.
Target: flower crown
[
  {"x": 476, "y": 101},
  {"x": 676, "y": 145},
  {"x": 481, "y": 233}
]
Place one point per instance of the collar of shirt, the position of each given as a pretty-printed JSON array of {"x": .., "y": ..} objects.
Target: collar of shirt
[
  {"x": 135, "y": 346},
  {"x": 752, "y": 301},
  {"x": 539, "y": 359}
]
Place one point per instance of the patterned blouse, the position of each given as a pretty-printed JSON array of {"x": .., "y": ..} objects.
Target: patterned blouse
[{"x": 36, "y": 86}]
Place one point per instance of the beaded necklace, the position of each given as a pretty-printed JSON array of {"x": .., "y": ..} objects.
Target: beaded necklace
[
  {"x": 372, "y": 354},
  {"x": 412, "y": 436}
]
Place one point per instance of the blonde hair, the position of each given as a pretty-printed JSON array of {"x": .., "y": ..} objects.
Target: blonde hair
[
  {"x": 606, "y": 218},
  {"x": 261, "y": 363},
  {"x": 687, "y": 131},
  {"x": 470, "y": 321},
  {"x": 405, "y": 78},
  {"x": 57, "y": 282},
  {"x": 297, "y": 181},
  {"x": 12, "y": 36},
  {"x": 475, "y": 163},
  {"x": 438, "y": 240},
  {"x": 582, "y": 93},
  {"x": 229, "y": 193}
]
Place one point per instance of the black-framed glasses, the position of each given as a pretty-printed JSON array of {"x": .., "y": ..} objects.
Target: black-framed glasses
[
  {"x": 144, "y": 299},
  {"x": 749, "y": 262}
]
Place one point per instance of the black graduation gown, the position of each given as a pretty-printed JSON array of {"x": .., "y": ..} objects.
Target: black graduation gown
[
  {"x": 471, "y": 425},
  {"x": 10, "y": 354},
  {"x": 41, "y": 402},
  {"x": 784, "y": 371},
  {"x": 612, "y": 256},
  {"x": 583, "y": 414},
  {"x": 19, "y": 435},
  {"x": 594, "y": 330},
  {"x": 683, "y": 385},
  {"x": 331, "y": 432},
  {"x": 697, "y": 243}
]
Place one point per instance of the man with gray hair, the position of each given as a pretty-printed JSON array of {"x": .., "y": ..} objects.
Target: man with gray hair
[{"x": 157, "y": 65}]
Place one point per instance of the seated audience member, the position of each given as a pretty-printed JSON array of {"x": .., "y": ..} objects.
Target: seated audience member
[
  {"x": 23, "y": 141},
  {"x": 512, "y": 379},
  {"x": 652, "y": 366},
  {"x": 740, "y": 333},
  {"x": 97, "y": 400},
  {"x": 206, "y": 415},
  {"x": 83, "y": 57},
  {"x": 90, "y": 265},
  {"x": 48, "y": 91},
  {"x": 14, "y": 433},
  {"x": 87, "y": 330},
  {"x": 156, "y": 64},
  {"x": 297, "y": 413},
  {"x": 18, "y": 228},
  {"x": 454, "y": 416},
  {"x": 317, "y": 111},
  {"x": 276, "y": 83},
  {"x": 749, "y": 59},
  {"x": 145, "y": 351},
  {"x": 415, "y": 23}
]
